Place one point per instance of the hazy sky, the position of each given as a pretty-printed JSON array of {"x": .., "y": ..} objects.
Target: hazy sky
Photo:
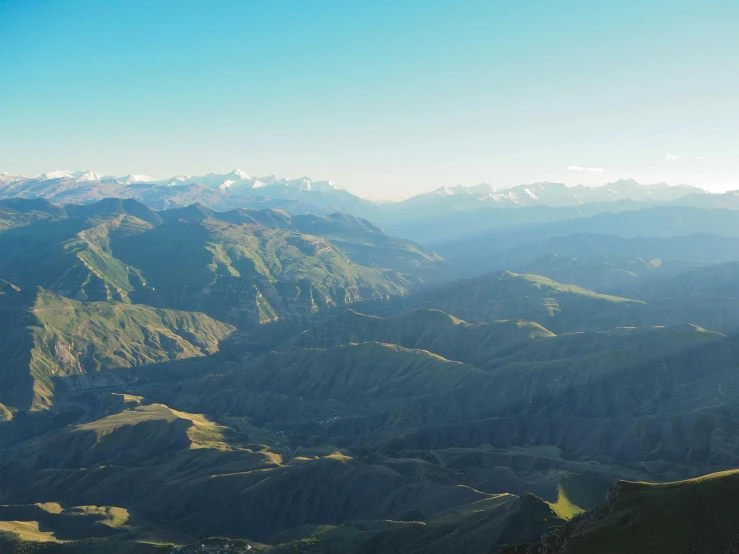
[{"x": 387, "y": 98}]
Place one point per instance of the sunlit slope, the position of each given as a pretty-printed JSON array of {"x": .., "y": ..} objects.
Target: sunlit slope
[
  {"x": 57, "y": 528},
  {"x": 187, "y": 474},
  {"x": 251, "y": 275},
  {"x": 72, "y": 257},
  {"x": 48, "y": 338},
  {"x": 246, "y": 267},
  {"x": 679, "y": 294},
  {"x": 556, "y": 306},
  {"x": 141, "y": 433}
]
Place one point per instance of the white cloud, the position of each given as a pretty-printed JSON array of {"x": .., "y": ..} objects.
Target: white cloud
[
  {"x": 672, "y": 157},
  {"x": 700, "y": 158},
  {"x": 590, "y": 169}
]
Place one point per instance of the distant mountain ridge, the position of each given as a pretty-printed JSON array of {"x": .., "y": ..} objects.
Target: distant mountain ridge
[
  {"x": 551, "y": 194},
  {"x": 310, "y": 383},
  {"x": 239, "y": 189},
  {"x": 235, "y": 189},
  {"x": 234, "y": 179}
]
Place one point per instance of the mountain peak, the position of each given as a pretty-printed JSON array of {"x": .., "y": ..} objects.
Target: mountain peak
[
  {"x": 129, "y": 179},
  {"x": 56, "y": 174},
  {"x": 240, "y": 174},
  {"x": 456, "y": 190},
  {"x": 625, "y": 182},
  {"x": 90, "y": 176}
]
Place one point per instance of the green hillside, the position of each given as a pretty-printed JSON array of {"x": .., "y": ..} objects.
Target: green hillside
[
  {"x": 245, "y": 267},
  {"x": 697, "y": 515},
  {"x": 197, "y": 379},
  {"x": 193, "y": 477},
  {"x": 49, "y": 340},
  {"x": 431, "y": 330},
  {"x": 556, "y": 306},
  {"x": 251, "y": 275}
]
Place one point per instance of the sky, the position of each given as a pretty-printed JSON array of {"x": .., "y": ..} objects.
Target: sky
[{"x": 387, "y": 98}]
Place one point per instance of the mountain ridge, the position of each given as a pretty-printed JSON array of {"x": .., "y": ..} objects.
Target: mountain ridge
[{"x": 239, "y": 189}]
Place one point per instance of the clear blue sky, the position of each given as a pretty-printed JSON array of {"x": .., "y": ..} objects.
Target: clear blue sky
[{"x": 388, "y": 98}]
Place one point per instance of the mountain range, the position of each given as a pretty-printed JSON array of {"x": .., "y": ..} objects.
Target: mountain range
[
  {"x": 258, "y": 380},
  {"x": 409, "y": 218}
]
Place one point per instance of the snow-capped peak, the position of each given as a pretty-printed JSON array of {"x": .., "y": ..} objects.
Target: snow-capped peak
[
  {"x": 236, "y": 181},
  {"x": 56, "y": 174},
  {"x": 482, "y": 188},
  {"x": 441, "y": 191},
  {"x": 475, "y": 190},
  {"x": 322, "y": 186},
  {"x": 10, "y": 177},
  {"x": 240, "y": 174},
  {"x": 129, "y": 179},
  {"x": 90, "y": 176},
  {"x": 176, "y": 180}
]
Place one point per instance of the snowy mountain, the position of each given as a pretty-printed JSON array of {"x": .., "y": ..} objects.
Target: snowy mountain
[
  {"x": 239, "y": 189},
  {"x": 469, "y": 198},
  {"x": 236, "y": 189},
  {"x": 238, "y": 180},
  {"x": 459, "y": 190}
]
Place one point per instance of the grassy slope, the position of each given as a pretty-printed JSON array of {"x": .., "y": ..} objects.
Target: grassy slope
[
  {"x": 56, "y": 529},
  {"x": 631, "y": 374},
  {"x": 698, "y": 515},
  {"x": 431, "y": 330},
  {"x": 71, "y": 257},
  {"x": 184, "y": 472},
  {"x": 247, "y": 268},
  {"x": 55, "y": 337},
  {"x": 249, "y": 275},
  {"x": 476, "y": 527},
  {"x": 556, "y": 306},
  {"x": 168, "y": 460},
  {"x": 253, "y": 484}
]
